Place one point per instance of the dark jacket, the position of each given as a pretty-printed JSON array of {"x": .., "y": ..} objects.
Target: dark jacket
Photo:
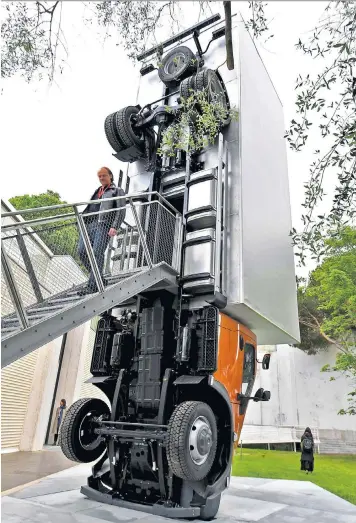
[
  {"x": 307, "y": 456},
  {"x": 112, "y": 219}
]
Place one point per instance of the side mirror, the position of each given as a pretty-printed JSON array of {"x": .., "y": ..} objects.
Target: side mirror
[
  {"x": 265, "y": 361},
  {"x": 266, "y": 396},
  {"x": 258, "y": 395},
  {"x": 262, "y": 395}
]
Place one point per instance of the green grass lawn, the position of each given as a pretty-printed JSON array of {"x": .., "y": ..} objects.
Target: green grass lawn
[{"x": 334, "y": 473}]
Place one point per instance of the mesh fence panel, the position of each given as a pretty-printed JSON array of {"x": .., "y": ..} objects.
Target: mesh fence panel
[{"x": 50, "y": 259}]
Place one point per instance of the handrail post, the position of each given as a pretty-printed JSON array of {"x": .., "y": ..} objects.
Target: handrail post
[
  {"x": 29, "y": 267},
  {"x": 13, "y": 290},
  {"x": 141, "y": 235},
  {"x": 88, "y": 247}
]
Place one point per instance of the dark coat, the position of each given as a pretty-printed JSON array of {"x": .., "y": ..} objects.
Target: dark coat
[
  {"x": 307, "y": 458},
  {"x": 110, "y": 218}
]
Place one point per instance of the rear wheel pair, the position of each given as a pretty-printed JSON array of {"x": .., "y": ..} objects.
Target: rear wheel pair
[{"x": 120, "y": 130}]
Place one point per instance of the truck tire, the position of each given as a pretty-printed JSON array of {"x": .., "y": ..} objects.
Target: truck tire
[
  {"x": 192, "y": 440},
  {"x": 210, "y": 81},
  {"x": 187, "y": 86},
  {"x": 111, "y": 134},
  {"x": 76, "y": 438},
  {"x": 177, "y": 64},
  {"x": 124, "y": 127},
  {"x": 210, "y": 509}
]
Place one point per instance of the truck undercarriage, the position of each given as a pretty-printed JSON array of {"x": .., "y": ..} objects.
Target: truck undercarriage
[{"x": 168, "y": 438}]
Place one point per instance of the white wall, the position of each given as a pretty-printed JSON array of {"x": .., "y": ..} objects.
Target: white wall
[{"x": 300, "y": 394}]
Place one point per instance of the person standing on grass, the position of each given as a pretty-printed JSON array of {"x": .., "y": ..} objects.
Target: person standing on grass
[
  {"x": 58, "y": 419},
  {"x": 307, "y": 446}
]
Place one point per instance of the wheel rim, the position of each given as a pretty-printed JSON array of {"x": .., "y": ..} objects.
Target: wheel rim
[
  {"x": 200, "y": 440},
  {"x": 175, "y": 64},
  {"x": 87, "y": 438}
]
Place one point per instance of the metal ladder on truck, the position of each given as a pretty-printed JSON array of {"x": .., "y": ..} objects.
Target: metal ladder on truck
[{"x": 43, "y": 274}]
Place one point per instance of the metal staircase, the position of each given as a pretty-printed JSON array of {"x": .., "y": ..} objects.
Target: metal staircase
[{"x": 41, "y": 298}]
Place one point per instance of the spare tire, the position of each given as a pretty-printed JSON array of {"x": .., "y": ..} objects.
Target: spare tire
[
  {"x": 176, "y": 65},
  {"x": 111, "y": 134},
  {"x": 124, "y": 126},
  {"x": 77, "y": 438}
]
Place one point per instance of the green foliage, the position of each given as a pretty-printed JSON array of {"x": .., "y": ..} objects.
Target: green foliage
[
  {"x": 197, "y": 124},
  {"x": 334, "y": 473},
  {"x": 327, "y": 306},
  {"x": 60, "y": 237},
  {"x": 326, "y": 99}
]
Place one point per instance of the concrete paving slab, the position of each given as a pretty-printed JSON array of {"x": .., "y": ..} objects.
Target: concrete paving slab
[
  {"x": 18, "y": 468},
  {"x": 56, "y": 499}
]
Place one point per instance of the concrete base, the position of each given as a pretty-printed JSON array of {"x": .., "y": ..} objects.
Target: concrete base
[{"x": 57, "y": 499}]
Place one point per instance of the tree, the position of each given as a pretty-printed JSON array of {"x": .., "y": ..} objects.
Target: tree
[
  {"x": 34, "y": 42},
  {"x": 327, "y": 98},
  {"x": 327, "y": 306},
  {"x": 60, "y": 237}
]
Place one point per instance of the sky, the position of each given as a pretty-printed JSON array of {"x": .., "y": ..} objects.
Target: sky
[{"x": 53, "y": 138}]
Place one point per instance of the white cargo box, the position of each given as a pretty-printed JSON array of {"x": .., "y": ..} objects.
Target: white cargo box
[{"x": 261, "y": 285}]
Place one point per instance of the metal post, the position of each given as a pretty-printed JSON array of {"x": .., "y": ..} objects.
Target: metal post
[
  {"x": 29, "y": 267},
  {"x": 225, "y": 224},
  {"x": 123, "y": 250},
  {"x": 217, "y": 284},
  {"x": 129, "y": 247},
  {"x": 12, "y": 288},
  {"x": 177, "y": 243},
  {"x": 141, "y": 235},
  {"x": 88, "y": 247}
]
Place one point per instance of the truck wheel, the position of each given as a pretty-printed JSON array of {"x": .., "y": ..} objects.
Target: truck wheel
[
  {"x": 111, "y": 134},
  {"x": 187, "y": 86},
  {"x": 176, "y": 64},
  {"x": 192, "y": 440},
  {"x": 77, "y": 439},
  {"x": 210, "y": 509},
  {"x": 124, "y": 125},
  {"x": 210, "y": 81}
]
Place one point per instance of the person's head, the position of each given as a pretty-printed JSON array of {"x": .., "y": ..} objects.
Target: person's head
[
  {"x": 105, "y": 176},
  {"x": 63, "y": 403},
  {"x": 307, "y": 430}
]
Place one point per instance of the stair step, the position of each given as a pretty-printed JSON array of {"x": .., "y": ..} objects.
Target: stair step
[
  {"x": 65, "y": 300},
  {"x": 45, "y": 308},
  {"x": 29, "y": 316},
  {"x": 7, "y": 330}
]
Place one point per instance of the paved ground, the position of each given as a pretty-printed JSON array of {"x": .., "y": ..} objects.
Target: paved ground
[
  {"x": 18, "y": 468},
  {"x": 56, "y": 499}
]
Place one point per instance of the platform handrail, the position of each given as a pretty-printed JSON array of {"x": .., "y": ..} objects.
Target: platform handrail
[{"x": 95, "y": 202}]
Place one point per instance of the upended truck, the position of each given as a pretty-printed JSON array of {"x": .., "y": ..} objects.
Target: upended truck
[{"x": 178, "y": 365}]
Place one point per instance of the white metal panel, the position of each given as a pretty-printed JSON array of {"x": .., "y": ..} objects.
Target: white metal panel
[
  {"x": 268, "y": 273},
  {"x": 261, "y": 277},
  {"x": 16, "y": 384}
]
